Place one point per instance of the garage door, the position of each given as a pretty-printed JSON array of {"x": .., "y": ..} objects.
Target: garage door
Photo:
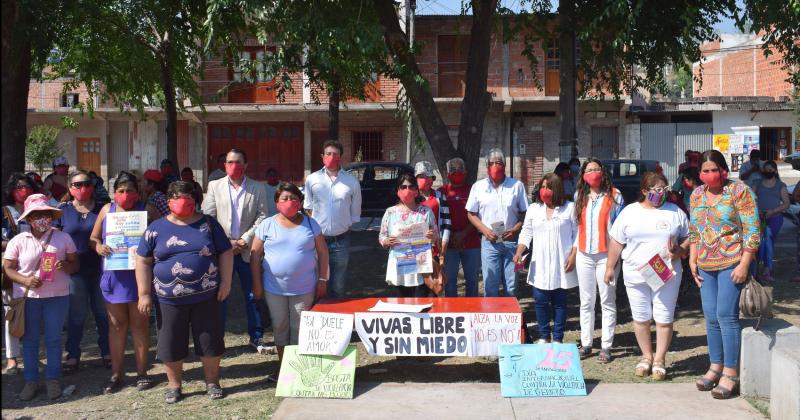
[{"x": 668, "y": 142}]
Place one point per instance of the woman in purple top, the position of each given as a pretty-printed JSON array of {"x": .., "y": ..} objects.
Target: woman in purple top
[
  {"x": 188, "y": 260},
  {"x": 119, "y": 289}
]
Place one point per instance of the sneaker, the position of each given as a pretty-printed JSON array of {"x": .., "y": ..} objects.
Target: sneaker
[
  {"x": 53, "y": 388},
  {"x": 256, "y": 343},
  {"x": 28, "y": 391},
  {"x": 542, "y": 341}
]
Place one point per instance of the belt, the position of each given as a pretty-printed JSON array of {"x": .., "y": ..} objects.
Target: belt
[{"x": 337, "y": 237}]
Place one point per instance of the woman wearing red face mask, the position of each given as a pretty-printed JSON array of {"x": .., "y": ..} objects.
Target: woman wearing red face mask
[
  {"x": 120, "y": 291},
  {"x": 55, "y": 184},
  {"x": 597, "y": 204},
  {"x": 289, "y": 262},
  {"x": 187, "y": 259},
  {"x": 80, "y": 210},
  {"x": 725, "y": 236},
  {"x": 405, "y": 213}
]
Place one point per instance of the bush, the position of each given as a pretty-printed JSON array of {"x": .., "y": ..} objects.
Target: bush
[{"x": 41, "y": 147}]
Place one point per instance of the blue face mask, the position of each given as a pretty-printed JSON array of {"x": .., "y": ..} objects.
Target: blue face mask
[{"x": 657, "y": 199}]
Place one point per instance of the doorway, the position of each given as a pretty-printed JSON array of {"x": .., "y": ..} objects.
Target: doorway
[{"x": 774, "y": 142}]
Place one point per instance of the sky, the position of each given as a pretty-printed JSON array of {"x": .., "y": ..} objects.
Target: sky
[{"x": 453, "y": 7}]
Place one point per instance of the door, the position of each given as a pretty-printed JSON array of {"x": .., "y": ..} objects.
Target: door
[
  {"x": 604, "y": 142},
  {"x": 318, "y": 138},
  {"x": 89, "y": 153},
  {"x": 267, "y": 145},
  {"x": 774, "y": 142}
]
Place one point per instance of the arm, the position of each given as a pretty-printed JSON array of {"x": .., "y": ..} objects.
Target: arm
[
  {"x": 525, "y": 236},
  {"x": 476, "y": 222},
  {"x": 152, "y": 213},
  {"x": 796, "y": 192},
  {"x": 323, "y": 266},
  {"x": 144, "y": 278},
  {"x": 226, "y": 275},
  {"x": 70, "y": 265},
  {"x": 355, "y": 204},
  {"x": 261, "y": 214},
  {"x": 256, "y": 255},
  {"x": 308, "y": 201},
  {"x": 96, "y": 238},
  {"x": 521, "y": 206},
  {"x": 569, "y": 265},
  {"x": 745, "y": 204},
  {"x": 444, "y": 224},
  {"x": 209, "y": 201},
  {"x": 10, "y": 267},
  {"x": 384, "y": 239},
  {"x": 614, "y": 251}
]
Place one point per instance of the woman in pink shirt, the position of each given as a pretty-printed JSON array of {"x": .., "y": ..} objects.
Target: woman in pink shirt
[{"x": 39, "y": 263}]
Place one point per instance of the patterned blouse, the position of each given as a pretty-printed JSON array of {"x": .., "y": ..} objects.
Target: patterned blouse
[
  {"x": 396, "y": 218},
  {"x": 723, "y": 230}
]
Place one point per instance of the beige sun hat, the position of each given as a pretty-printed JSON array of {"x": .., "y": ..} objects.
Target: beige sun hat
[{"x": 38, "y": 202}]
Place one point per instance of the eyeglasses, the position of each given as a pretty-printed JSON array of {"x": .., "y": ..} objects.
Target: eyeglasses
[
  {"x": 408, "y": 187},
  {"x": 21, "y": 186},
  {"x": 587, "y": 170},
  {"x": 497, "y": 163},
  {"x": 659, "y": 189},
  {"x": 80, "y": 184}
]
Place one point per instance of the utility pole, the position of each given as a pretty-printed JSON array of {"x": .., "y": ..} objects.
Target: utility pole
[{"x": 411, "y": 7}]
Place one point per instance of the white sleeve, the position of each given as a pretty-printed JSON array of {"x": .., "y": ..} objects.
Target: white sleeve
[
  {"x": 309, "y": 199},
  {"x": 617, "y": 231},
  {"x": 472, "y": 201},
  {"x": 526, "y": 234}
]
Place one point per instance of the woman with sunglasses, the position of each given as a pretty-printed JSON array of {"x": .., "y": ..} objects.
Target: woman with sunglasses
[
  {"x": 80, "y": 209},
  {"x": 643, "y": 231},
  {"x": 406, "y": 213}
]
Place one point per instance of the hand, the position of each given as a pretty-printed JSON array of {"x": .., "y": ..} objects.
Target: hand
[
  {"x": 609, "y": 278},
  {"x": 225, "y": 290},
  {"x": 59, "y": 265},
  {"x": 677, "y": 252},
  {"x": 145, "y": 304},
  {"x": 33, "y": 282},
  {"x": 390, "y": 241},
  {"x": 509, "y": 234},
  {"x": 429, "y": 234},
  {"x": 322, "y": 289},
  {"x": 739, "y": 274},
  {"x": 569, "y": 265},
  {"x": 242, "y": 243},
  {"x": 490, "y": 235},
  {"x": 698, "y": 280},
  {"x": 104, "y": 250},
  {"x": 517, "y": 258}
]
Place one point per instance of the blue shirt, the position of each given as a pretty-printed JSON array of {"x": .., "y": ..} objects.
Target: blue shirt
[
  {"x": 185, "y": 269},
  {"x": 290, "y": 264},
  {"x": 79, "y": 226}
]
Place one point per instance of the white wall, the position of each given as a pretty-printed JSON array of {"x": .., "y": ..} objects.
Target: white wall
[{"x": 724, "y": 120}]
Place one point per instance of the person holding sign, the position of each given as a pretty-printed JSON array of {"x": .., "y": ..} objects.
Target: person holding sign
[
  {"x": 597, "y": 205},
  {"x": 407, "y": 228},
  {"x": 289, "y": 259},
  {"x": 551, "y": 220},
  {"x": 187, "y": 258},
  {"x": 651, "y": 235},
  {"x": 725, "y": 236},
  {"x": 496, "y": 207},
  {"x": 119, "y": 286},
  {"x": 39, "y": 263}
]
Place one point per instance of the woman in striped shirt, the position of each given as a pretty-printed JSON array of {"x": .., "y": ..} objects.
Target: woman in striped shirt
[{"x": 597, "y": 204}]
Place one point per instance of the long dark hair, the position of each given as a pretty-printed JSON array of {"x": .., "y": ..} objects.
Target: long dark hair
[
  {"x": 716, "y": 157},
  {"x": 583, "y": 189},
  {"x": 555, "y": 184},
  {"x": 12, "y": 183}
]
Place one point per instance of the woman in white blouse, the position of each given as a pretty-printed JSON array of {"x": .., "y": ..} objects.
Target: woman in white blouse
[{"x": 551, "y": 221}]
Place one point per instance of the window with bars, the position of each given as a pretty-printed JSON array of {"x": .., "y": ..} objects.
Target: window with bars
[
  {"x": 70, "y": 100},
  {"x": 367, "y": 146}
]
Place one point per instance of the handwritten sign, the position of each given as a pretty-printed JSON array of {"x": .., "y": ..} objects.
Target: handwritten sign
[
  {"x": 390, "y": 334},
  {"x": 324, "y": 333},
  {"x": 314, "y": 376},
  {"x": 540, "y": 370},
  {"x": 123, "y": 232},
  {"x": 489, "y": 330},
  {"x": 722, "y": 142}
]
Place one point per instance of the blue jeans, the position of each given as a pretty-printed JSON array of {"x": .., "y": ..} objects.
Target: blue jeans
[
  {"x": 498, "y": 268},
  {"x": 48, "y": 314},
  {"x": 720, "y": 296},
  {"x": 339, "y": 254},
  {"x": 469, "y": 259},
  {"x": 254, "y": 325},
  {"x": 551, "y": 304},
  {"x": 84, "y": 293}
]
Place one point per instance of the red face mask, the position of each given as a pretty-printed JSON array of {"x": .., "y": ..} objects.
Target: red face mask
[
  {"x": 424, "y": 184},
  {"x": 456, "y": 178},
  {"x": 272, "y": 180},
  {"x": 21, "y": 194},
  {"x": 546, "y": 194},
  {"x": 496, "y": 172},
  {"x": 234, "y": 170},
  {"x": 182, "y": 207},
  {"x": 82, "y": 193},
  {"x": 594, "y": 179},
  {"x": 714, "y": 179},
  {"x": 126, "y": 200},
  {"x": 332, "y": 162},
  {"x": 288, "y": 208},
  {"x": 407, "y": 196}
]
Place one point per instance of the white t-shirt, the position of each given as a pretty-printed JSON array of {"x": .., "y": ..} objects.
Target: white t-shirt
[{"x": 644, "y": 233}]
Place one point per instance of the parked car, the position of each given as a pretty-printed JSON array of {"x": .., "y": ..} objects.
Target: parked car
[
  {"x": 794, "y": 160},
  {"x": 626, "y": 175},
  {"x": 378, "y": 184}
]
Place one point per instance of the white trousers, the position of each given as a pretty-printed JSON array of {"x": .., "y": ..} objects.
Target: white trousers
[
  {"x": 591, "y": 269},
  {"x": 12, "y": 343}
]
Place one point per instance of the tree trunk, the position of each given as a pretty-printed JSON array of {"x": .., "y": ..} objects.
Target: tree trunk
[
  {"x": 16, "y": 73},
  {"x": 417, "y": 90},
  {"x": 477, "y": 100},
  {"x": 171, "y": 108},
  {"x": 334, "y": 99},
  {"x": 568, "y": 141}
]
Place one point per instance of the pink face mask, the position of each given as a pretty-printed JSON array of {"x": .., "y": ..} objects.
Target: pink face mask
[
  {"x": 546, "y": 194},
  {"x": 288, "y": 208},
  {"x": 407, "y": 196},
  {"x": 593, "y": 178},
  {"x": 332, "y": 162}
]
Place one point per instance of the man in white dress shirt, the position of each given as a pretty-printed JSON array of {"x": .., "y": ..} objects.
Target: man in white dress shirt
[
  {"x": 496, "y": 207},
  {"x": 333, "y": 199}
]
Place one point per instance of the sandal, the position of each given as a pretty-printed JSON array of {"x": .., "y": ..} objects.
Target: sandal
[
  {"x": 659, "y": 371},
  {"x": 214, "y": 391},
  {"x": 585, "y": 351},
  {"x": 644, "y": 367},
  {"x": 172, "y": 395},
  {"x": 143, "y": 383},
  {"x": 69, "y": 368},
  {"x": 604, "y": 356},
  {"x": 113, "y": 385},
  {"x": 704, "y": 384},
  {"x": 721, "y": 393}
]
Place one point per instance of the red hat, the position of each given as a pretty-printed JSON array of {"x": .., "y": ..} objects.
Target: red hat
[{"x": 153, "y": 175}]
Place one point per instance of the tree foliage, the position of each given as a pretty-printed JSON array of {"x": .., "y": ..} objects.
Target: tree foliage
[{"x": 42, "y": 147}]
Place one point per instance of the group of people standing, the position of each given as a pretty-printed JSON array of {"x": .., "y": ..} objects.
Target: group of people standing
[{"x": 568, "y": 235}]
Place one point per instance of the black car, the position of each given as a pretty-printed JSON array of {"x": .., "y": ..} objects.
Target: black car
[
  {"x": 378, "y": 184},
  {"x": 626, "y": 175}
]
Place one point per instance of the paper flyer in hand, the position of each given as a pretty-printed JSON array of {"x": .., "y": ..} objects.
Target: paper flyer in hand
[
  {"x": 47, "y": 268},
  {"x": 499, "y": 228},
  {"x": 657, "y": 271},
  {"x": 123, "y": 232},
  {"x": 414, "y": 255}
]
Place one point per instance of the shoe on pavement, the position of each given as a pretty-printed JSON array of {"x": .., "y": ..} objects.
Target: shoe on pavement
[
  {"x": 256, "y": 343},
  {"x": 28, "y": 391},
  {"x": 53, "y": 388}
]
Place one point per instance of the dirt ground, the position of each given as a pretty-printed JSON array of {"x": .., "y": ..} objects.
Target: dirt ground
[{"x": 247, "y": 376}]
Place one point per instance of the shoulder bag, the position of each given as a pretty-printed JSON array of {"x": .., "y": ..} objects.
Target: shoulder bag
[{"x": 15, "y": 314}]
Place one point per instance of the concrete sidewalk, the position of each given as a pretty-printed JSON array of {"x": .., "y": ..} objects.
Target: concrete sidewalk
[{"x": 440, "y": 401}]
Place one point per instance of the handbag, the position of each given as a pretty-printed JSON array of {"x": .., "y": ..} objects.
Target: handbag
[
  {"x": 436, "y": 280},
  {"x": 15, "y": 314},
  {"x": 755, "y": 301}
]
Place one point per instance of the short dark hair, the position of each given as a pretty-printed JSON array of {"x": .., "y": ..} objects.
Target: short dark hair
[
  {"x": 12, "y": 183},
  {"x": 755, "y": 153},
  {"x": 333, "y": 143},
  {"x": 177, "y": 188},
  {"x": 561, "y": 167},
  {"x": 290, "y": 188},
  {"x": 692, "y": 173},
  {"x": 68, "y": 196},
  {"x": 221, "y": 157},
  {"x": 125, "y": 177},
  {"x": 649, "y": 179},
  {"x": 716, "y": 157},
  {"x": 187, "y": 169},
  {"x": 238, "y": 151},
  {"x": 555, "y": 184},
  {"x": 272, "y": 171}
]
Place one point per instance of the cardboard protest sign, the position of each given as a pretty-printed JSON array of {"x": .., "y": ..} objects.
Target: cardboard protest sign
[
  {"x": 324, "y": 333},
  {"x": 393, "y": 334},
  {"x": 489, "y": 330},
  {"x": 540, "y": 370},
  {"x": 313, "y": 376}
]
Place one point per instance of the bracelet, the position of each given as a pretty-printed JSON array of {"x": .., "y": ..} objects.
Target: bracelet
[{"x": 322, "y": 279}]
